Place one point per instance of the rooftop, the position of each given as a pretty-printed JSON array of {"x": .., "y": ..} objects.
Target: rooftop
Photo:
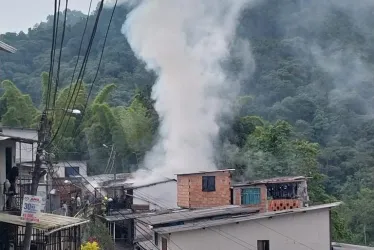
[
  {"x": 208, "y": 172},
  {"x": 7, "y": 48},
  {"x": 48, "y": 222},
  {"x": 125, "y": 184},
  {"x": 221, "y": 216},
  {"x": 342, "y": 246},
  {"x": 16, "y": 138},
  {"x": 286, "y": 179}
]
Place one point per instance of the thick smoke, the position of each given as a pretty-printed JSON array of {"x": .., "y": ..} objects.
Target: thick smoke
[{"x": 186, "y": 43}]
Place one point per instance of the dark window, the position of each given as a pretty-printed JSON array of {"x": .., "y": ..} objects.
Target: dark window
[
  {"x": 209, "y": 183},
  {"x": 71, "y": 171},
  {"x": 156, "y": 239},
  {"x": 263, "y": 245},
  {"x": 8, "y": 161},
  {"x": 164, "y": 244}
]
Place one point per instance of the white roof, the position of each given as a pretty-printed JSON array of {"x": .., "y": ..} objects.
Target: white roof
[
  {"x": 233, "y": 219},
  {"x": 48, "y": 222}
]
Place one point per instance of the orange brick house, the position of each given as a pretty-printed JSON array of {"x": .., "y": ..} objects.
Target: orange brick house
[{"x": 204, "y": 189}]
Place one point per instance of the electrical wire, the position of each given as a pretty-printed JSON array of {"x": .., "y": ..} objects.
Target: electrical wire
[
  {"x": 59, "y": 58},
  {"x": 94, "y": 80},
  {"x": 49, "y": 84},
  {"x": 80, "y": 75},
  {"x": 79, "y": 53}
]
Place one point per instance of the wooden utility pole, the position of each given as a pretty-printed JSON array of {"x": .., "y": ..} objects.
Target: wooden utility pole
[{"x": 37, "y": 172}]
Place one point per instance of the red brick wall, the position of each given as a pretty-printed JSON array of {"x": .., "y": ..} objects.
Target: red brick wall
[{"x": 190, "y": 194}]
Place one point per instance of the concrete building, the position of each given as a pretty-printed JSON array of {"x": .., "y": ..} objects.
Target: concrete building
[
  {"x": 69, "y": 169},
  {"x": 215, "y": 214},
  {"x": 9, "y": 143},
  {"x": 238, "y": 228}
]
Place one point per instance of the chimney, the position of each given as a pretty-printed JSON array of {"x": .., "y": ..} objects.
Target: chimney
[{"x": 204, "y": 189}]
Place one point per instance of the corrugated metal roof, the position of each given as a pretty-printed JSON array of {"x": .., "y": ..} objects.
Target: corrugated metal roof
[
  {"x": 185, "y": 215},
  {"x": 7, "y": 48},
  {"x": 207, "y": 172},
  {"x": 19, "y": 139},
  {"x": 286, "y": 179},
  {"x": 233, "y": 219},
  {"x": 125, "y": 184},
  {"x": 48, "y": 222},
  {"x": 342, "y": 246},
  {"x": 2, "y": 138}
]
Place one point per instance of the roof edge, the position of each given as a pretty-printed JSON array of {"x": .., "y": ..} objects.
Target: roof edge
[
  {"x": 207, "y": 172},
  {"x": 218, "y": 222}
]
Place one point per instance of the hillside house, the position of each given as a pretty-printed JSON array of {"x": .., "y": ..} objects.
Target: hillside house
[
  {"x": 215, "y": 214},
  {"x": 12, "y": 144}
]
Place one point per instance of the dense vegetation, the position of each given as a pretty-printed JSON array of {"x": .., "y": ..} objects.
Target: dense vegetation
[{"x": 308, "y": 106}]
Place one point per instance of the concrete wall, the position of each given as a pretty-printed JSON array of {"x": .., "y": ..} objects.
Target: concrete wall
[
  {"x": 286, "y": 232},
  {"x": 190, "y": 194},
  {"x": 3, "y": 145},
  {"x": 60, "y": 167},
  {"x": 24, "y": 152},
  {"x": 162, "y": 194}
]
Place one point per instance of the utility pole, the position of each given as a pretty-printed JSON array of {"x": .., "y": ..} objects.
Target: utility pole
[{"x": 37, "y": 172}]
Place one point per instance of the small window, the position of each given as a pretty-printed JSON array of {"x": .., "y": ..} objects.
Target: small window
[
  {"x": 71, "y": 171},
  {"x": 263, "y": 245},
  {"x": 209, "y": 183},
  {"x": 164, "y": 244},
  {"x": 156, "y": 239},
  {"x": 251, "y": 196}
]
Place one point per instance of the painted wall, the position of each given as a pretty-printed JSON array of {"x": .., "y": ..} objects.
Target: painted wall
[
  {"x": 60, "y": 167},
  {"x": 24, "y": 152},
  {"x": 163, "y": 194},
  {"x": 3, "y": 145},
  {"x": 286, "y": 232}
]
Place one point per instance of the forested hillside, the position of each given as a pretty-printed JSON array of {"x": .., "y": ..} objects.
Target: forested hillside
[{"x": 306, "y": 109}]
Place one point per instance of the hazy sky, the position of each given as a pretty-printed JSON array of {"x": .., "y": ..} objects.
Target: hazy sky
[{"x": 17, "y": 15}]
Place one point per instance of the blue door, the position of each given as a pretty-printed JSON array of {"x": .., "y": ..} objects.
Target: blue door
[{"x": 251, "y": 196}]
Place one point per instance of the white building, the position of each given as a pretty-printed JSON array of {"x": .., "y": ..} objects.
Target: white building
[
  {"x": 233, "y": 228},
  {"x": 68, "y": 169},
  {"x": 12, "y": 143}
]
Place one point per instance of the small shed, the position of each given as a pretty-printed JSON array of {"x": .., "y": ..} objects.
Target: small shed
[{"x": 53, "y": 232}]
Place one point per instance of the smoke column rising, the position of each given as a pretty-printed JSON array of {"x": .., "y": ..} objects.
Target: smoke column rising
[{"x": 185, "y": 42}]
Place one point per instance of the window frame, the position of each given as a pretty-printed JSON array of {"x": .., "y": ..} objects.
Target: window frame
[
  {"x": 250, "y": 196},
  {"x": 209, "y": 183},
  {"x": 263, "y": 245},
  {"x": 75, "y": 169},
  {"x": 164, "y": 243}
]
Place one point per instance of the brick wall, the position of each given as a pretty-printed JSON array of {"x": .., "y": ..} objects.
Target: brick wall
[{"x": 190, "y": 194}]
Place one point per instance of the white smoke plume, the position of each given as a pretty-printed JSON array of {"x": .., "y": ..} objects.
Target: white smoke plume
[{"x": 185, "y": 42}]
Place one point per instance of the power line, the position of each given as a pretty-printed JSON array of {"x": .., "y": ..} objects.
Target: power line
[
  {"x": 59, "y": 58},
  {"x": 80, "y": 75},
  {"x": 52, "y": 55},
  {"x": 79, "y": 53},
  {"x": 95, "y": 77}
]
